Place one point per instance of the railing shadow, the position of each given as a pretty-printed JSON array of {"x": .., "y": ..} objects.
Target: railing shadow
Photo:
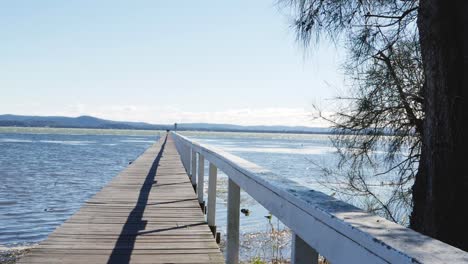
[
  {"x": 174, "y": 201},
  {"x": 171, "y": 228},
  {"x": 126, "y": 242}
]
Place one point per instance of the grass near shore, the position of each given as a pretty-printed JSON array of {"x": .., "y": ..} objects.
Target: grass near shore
[{"x": 11, "y": 255}]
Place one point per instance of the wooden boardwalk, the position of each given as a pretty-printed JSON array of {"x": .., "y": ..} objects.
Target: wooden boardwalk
[{"x": 149, "y": 213}]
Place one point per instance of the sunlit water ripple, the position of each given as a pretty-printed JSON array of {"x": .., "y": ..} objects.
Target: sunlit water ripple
[{"x": 45, "y": 178}]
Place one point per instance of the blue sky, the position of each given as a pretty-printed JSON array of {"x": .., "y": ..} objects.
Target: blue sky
[{"x": 162, "y": 62}]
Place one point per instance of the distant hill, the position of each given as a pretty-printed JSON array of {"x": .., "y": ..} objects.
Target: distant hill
[
  {"x": 98, "y": 123},
  {"x": 235, "y": 128},
  {"x": 73, "y": 122}
]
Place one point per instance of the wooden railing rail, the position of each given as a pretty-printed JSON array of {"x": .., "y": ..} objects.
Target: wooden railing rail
[{"x": 320, "y": 223}]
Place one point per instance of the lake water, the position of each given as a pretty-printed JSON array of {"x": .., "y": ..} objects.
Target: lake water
[{"x": 47, "y": 174}]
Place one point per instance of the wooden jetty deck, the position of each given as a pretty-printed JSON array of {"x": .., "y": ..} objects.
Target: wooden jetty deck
[{"x": 149, "y": 213}]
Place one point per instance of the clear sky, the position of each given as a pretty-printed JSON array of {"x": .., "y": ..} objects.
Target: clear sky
[{"x": 161, "y": 62}]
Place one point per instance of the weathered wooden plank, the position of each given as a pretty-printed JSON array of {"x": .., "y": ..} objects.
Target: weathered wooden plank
[
  {"x": 131, "y": 245},
  {"x": 149, "y": 213},
  {"x": 155, "y": 252},
  {"x": 124, "y": 258}
]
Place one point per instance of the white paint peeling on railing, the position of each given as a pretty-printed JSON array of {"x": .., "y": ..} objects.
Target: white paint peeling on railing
[{"x": 337, "y": 230}]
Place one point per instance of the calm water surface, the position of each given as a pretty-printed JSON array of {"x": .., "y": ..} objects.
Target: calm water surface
[{"x": 46, "y": 175}]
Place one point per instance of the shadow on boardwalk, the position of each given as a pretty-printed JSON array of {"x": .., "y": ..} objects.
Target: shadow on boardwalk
[{"x": 126, "y": 242}]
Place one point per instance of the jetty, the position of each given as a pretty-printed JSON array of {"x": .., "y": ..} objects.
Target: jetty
[
  {"x": 154, "y": 212},
  {"x": 149, "y": 213}
]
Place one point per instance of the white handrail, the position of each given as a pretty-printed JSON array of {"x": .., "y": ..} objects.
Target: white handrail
[{"x": 339, "y": 231}]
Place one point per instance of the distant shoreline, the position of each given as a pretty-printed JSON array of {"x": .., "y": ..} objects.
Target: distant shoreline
[
  {"x": 194, "y": 130},
  {"x": 89, "y": 122}
]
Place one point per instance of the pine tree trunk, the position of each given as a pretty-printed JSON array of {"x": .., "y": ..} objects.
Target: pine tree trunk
[{"x": 440, "y": 192}]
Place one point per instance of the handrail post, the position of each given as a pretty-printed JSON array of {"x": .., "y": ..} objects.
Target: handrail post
[
  {"x": 233, "y": 210},
  {"x": 193, "y": 175},
  {"x": 185, "y": 156},
  {"x": 211, "y": 217},
  {"x": 187, "y": 159},
  {"x": 301, "y": 252},
  {"x": 201, "y": 180}
]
